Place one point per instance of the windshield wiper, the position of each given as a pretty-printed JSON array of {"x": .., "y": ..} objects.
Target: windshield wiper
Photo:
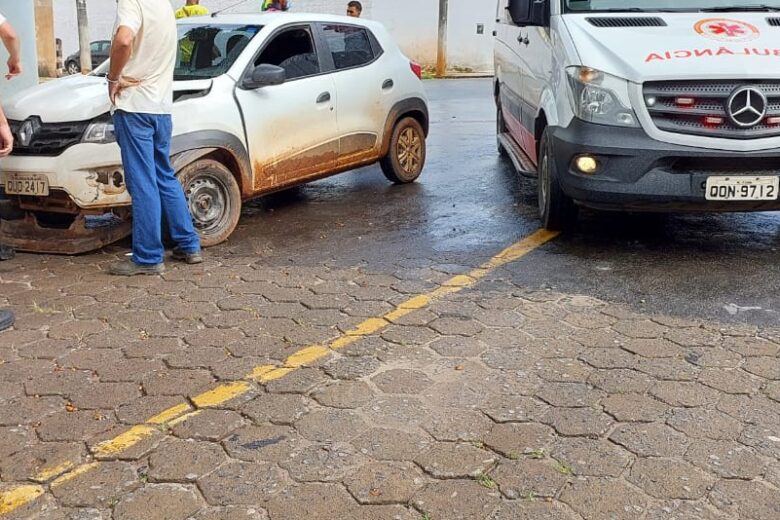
[{"x": 731, "y": 8}]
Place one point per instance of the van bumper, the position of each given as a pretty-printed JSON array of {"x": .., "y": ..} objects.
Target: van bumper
[{"x": 638, "y": 173}]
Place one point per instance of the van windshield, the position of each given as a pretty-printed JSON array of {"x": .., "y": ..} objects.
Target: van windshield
[
  {"x": 577, "y": 6},
  {"x": 208, "y": 51}
]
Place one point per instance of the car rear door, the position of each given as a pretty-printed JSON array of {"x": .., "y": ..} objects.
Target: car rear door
[
  {"x": 292, "y": 131},
  {"x": 364, "y": 89}
]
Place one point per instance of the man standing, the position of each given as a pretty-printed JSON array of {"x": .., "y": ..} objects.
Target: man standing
[
  {"x": 354, "y": 9},
  {"x": 140, "y": 86},
  {"x": 193, "y": 8},
  {"x": 11, "y": 42}
]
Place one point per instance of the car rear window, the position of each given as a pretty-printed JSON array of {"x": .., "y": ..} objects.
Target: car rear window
[{"x": 350, "y": 46}]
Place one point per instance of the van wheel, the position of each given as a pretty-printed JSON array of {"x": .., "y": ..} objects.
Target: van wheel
[
  {"x": 72, "y": 68},
  {"x": 213, "y": 198},
  {"x": 405, "y": 160},
  {"x": 501, "y": 129},
  {"x": 557, "y": 211}
]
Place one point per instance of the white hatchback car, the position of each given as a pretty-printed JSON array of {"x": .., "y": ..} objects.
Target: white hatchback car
[{"x": 262, "y": 103}]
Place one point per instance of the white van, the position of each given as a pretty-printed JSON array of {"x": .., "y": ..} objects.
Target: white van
[{"x": 637, "y": 105}]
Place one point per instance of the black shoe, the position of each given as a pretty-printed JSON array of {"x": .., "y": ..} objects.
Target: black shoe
[
  {"x": 6, "y": 319},
  {"x": 130, "y": 268},
  {"x": 188, "y": 258},
  {"x": 6, "y": 253}
]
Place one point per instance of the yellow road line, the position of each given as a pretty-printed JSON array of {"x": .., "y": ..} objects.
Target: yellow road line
[
  {"x": 17, "y": 497},
  {"x": 47, "y": 474}
]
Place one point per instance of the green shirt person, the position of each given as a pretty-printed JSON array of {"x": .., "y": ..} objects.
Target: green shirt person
[{"x": 193, "y": 8}]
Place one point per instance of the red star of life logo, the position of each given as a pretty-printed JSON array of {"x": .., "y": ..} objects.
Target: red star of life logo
[{"x": 725, "y": 30}]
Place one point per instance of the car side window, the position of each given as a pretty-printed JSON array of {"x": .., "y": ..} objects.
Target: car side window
[
  {"x": 294, "y": 51},
  {"x": 349, "y": 45},
  {"x": 96, "y": 46}
]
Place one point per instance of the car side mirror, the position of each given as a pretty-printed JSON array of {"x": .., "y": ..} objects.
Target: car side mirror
[
  {"x": 535, "y": 13},
  {"x": 264, "y": 75}
]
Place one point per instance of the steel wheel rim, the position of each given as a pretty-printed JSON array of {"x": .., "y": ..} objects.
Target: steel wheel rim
[
  {"x": 409, "y": 151},
  {"x": 208, "y": 202}
]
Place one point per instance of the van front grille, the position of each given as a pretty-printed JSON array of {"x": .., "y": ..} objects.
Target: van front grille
[
  {"x": 702, "y": 108},
  {"x": 620, "y": 21},
  {"x": 48, "y": 139}
]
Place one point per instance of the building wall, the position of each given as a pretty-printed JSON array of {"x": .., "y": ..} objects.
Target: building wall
[
  {"x": 22, "y": 15},
  {"x": 413, "y": 23}
]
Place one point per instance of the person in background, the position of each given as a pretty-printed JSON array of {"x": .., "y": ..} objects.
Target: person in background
[
  {"x": 354, "y": 9},
  {"x": 193, "y": 8},
  {"x": 274, "y": 5},
  {"x": 11, "y": 42},
  {"x": 140, "y": 87}
]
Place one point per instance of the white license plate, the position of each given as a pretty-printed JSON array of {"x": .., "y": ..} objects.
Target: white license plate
[
  {"x": 742, "y": 188},
  {"x": 35, "y": 184}
]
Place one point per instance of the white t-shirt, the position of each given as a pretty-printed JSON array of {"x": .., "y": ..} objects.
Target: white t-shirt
[{"x": 154, "y": 56}]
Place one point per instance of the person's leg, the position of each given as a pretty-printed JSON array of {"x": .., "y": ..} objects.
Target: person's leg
[
  {"x": 135, "y": 135},
  {"x": 174, "y": 204}
]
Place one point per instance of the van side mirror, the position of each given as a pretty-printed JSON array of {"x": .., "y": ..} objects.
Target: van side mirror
[
  {"x": 264, "y": 75},
  {"x": 534, "y": 13}
]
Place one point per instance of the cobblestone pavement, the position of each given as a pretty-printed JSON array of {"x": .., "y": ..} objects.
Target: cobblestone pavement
[{"x": 361, "y": 379}]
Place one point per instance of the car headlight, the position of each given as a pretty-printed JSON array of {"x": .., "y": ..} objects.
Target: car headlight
[
  {"x": 601, "y": 98},
  {"x": 100, "y": 131}
]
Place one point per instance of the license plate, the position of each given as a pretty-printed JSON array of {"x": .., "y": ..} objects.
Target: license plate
[
  {"x": 35, "y": 184},
  {"x": 742, "y": 188}
]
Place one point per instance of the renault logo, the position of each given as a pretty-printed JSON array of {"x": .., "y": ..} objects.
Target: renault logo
[
  {"x": 26, "y": 132},
  {"x": 747, "y": 107}
]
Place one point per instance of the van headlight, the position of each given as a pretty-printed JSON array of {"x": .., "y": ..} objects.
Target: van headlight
[
  {"x": 100, "y": 131},
  {"x": 601, "y": 98}
]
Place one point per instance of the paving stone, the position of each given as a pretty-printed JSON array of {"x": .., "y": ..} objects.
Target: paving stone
[
  {"x": 530, "y": 478},
  {"x": 449, "y": 461},
  {"x": 456, "y": 500},
  {"x": 594, "y": 458},
  {"x": 532, "y": 510},
  {"x": 402, "y": 381},
  {"x": 669, "y": 369},
  {"x": 231, "y": 513},
  {"x": 634, "y": 408},
  {"x": 46, "y": 349},
  {"x": 177, "y": 382},
  {"x": 144, "y": 408},
  {"x": 275, "y": 408},
  {"x": 751, "y": 409},
  {"x": 773, "y": 473},
  {"x": 387, "y": 444},
  {"x": 331, "y": 425},
  {"x": 75, "y": 426},
  {"x": 458, "y": 425},
  {"x": 766, "y": 367},
  {"x": 609, "y": 358},
  {"x": 213, "y": 337},
  {"x": 621, "y": 381},
  {"x": 752, "y": 346},
  {"x": 598, "y": 338},
  {"x": 396, "y": 412},
  {"x": 313, "y": 502},
  {"x": 101, "y": 487},
  {"x": 409, "y": 335},
  {"x": 639, "y": 329},
  {"x": 163, "y": 501},
  {"x": 301, "y": 381},
  {"x": 726, "y": 459},
  {"x": 650, "y": 440},
  {"x": 104, "y": 396},
  {"x": 457, "y": 326},
  {"x": 345, "y": 394},
  {"x": 352, "y": 367},
  {"x": 129, "y": 370},
  {"x": 602, "y": 498},
  {"x": 13, "y": 439},
  {"x": 514, "y": 408},
  {"x": 563, "y": 370},
  {"x": 77, "y": 329},
  {"x": 385, "y": 483},
  {"x": 578, "y": 422},
  {"x": 746, "y": 500},
  {"x": 765, "y": 440},
  {"x": 668, "y": 478},
  {"x": 263, "y": 443},
  {"x": 209, "y": 425},
  {"x": 652, "y": 348},
  {"x": 683, "y": 510},
  {"x": 323, "y": 462},
  {"x": 62, "y": 382},
  {"x": 699, "y": 423},
  {"x": 772, "y": 390},
  {"x": 29, "y": 410},
  {"x": 684, "y": 394},
  {"x": 730, "y": 381},
  {"x": 243, "y": 483},
  {"x": 572, "y": 395},
  {"x": 32, "y": 460},
  {"x": 513, "y": 440},
  {"x": 693, "y": 337},
  {"x": 197, "y": 357},
  {"x": 716, "y": 358},
  {"x": 184, "y": 460}
]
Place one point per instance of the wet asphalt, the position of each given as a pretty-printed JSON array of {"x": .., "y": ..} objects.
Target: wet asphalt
[{"x": 469, "y": 204}]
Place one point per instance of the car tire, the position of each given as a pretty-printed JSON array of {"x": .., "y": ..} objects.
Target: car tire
[
  {"x": 213, "y": 198},
  {"x": 72, "y": 68},
  {"x": 556, "y": 210},
  {"x": 405, "y": 159}
]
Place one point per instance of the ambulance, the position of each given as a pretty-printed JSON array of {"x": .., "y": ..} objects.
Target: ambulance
[{"x": 641, "y": 105}]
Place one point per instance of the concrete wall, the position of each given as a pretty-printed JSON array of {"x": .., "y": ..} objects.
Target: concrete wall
[
  {"x": 21, "y": 14},
  {"x": 413, "y": 23}
]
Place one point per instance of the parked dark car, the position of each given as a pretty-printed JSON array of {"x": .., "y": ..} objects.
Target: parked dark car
[{"x": 100, "y": 51}]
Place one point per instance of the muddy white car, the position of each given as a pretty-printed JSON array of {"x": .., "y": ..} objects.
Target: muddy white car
[{"x": 262, "y": 103}]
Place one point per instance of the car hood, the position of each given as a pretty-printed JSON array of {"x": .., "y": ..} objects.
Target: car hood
[
  {"x": 73, "y": 98},
  {"x": 687, "y": 46}
]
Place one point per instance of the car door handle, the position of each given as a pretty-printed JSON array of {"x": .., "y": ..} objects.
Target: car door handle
[
  {"x": 388, "y": 84},
  {"x": 523, "y": 40},
  {"x": 324, "y": 98}
]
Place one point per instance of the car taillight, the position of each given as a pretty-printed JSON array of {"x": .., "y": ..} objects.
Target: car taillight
[{"x": 417, "y": 69}]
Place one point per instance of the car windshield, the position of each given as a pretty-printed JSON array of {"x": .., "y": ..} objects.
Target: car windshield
[
  {"x": 574, "y": 6},
  {"x": 208, "y": 51}
]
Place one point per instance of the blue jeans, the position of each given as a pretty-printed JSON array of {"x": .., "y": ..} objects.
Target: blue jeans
[{"x": 145, "y": 141}]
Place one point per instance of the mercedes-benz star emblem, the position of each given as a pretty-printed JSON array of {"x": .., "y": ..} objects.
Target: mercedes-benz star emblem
[{"x": 747, "y": 107}]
